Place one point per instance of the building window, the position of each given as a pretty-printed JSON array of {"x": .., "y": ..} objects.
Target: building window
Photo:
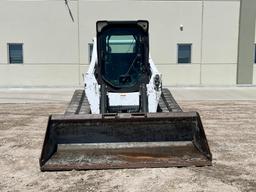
[
  {"x": 90, "y": 48},
  {"x": 15, "y": 53},
  {"x": 255, "y": 53},
  {"x": 184, "y": 53}
]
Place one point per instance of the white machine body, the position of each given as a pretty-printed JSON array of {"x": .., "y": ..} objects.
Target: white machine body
[{"x": 92, "y": 89}]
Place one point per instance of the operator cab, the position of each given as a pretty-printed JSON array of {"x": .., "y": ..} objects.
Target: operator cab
[{"x": 123, "y": 49}]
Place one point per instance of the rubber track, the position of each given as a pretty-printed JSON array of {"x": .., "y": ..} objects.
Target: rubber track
[
  {"x": 79, "y": 104},
  {"x": 167, "y": 103}
]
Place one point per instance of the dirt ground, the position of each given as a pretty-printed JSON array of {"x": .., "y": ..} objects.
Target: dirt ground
[{"x": 231, "y": 131}]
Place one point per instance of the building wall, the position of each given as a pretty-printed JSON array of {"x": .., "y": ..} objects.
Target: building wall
[
  {"x": 220, "y": 42},
  {"x": 56, "y": 49},
  {"x": 165, "y": 18},
  {"x": 246, "y": 42},
  {"x": 254, "y": 65},
  {"x": 50, "y": 41},
  {"x": 254, "y": 76}
]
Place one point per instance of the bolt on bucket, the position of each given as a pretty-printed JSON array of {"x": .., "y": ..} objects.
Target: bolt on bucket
[{"x": 124, "y": 140}]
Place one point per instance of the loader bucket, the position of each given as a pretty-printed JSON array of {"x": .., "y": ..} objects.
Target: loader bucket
[{"x": 124, "y": 140}]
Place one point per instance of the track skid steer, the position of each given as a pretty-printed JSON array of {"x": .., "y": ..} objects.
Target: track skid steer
[{"x": 123, "y": 118}]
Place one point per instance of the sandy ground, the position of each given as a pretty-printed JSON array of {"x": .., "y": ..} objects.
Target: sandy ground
[{"x": 231, "y": 131}]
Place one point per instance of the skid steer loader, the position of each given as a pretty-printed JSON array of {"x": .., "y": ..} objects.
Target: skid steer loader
[{"x": 123, "y": 118}]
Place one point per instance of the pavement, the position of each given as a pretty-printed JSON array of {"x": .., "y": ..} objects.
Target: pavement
[
  {"x": 214, "y": 93},
  {"x": 228, "y": 115},
  {"x": 229, "y": 127},
  {"x": 42, "y": 95}
]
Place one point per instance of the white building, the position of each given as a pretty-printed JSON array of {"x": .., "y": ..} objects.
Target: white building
[{"x": 40, "y": 45}]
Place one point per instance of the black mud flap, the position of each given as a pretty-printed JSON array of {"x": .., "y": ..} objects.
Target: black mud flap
[{"x": 127, "y": 140}]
